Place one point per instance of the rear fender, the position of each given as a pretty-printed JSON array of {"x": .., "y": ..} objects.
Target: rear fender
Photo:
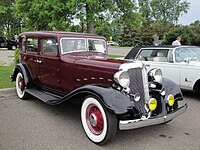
[{"x": 24, "y": 70}]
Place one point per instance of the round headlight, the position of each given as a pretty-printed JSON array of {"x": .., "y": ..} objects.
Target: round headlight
[
  {"x": 152, "y": 104},
  {"x": 170, "y": 100},
  {"x": 157, "y": 75},
  {"x": 122, "y": 78}
]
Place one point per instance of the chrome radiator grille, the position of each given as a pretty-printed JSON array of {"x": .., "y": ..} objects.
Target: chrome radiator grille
[{"x": 139, "y": 84}]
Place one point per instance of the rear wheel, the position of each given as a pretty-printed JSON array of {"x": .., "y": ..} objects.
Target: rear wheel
[
  {"x": 20, "y": 86},
  {"x": 99, "y": 123}
]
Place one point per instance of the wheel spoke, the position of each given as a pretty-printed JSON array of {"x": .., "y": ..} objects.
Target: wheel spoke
[{"x": 94, "y": 119}]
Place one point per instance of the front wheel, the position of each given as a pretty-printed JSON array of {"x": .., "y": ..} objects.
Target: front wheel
[
  {"x": 99, "y": 123},
  {"x": 20, "y": 86}
]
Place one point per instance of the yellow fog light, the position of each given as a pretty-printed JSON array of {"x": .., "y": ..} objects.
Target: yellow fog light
[
  {"x": 152, "y": 104},
  {"x": 170, "y": 100}
]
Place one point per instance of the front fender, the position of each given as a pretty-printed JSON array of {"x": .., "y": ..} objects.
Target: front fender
[
  {"x": 111, "y": 98},
  {"x": 172, "y": 88}
]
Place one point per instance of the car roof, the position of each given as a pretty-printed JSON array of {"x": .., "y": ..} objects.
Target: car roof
[
  {"x": 60, "y": 34},
  {"x": 133, "y": 52}
]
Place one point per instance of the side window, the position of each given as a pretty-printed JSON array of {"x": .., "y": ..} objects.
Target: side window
[
  {"x": 32, "y": 45},
  {"x": 69, "y": 45},
  {"x": 145, "y": 55},
  {"x": 49, "y": 47},
  {"x": 161, "y": 55},
  {"x": 22, "y": 44}
]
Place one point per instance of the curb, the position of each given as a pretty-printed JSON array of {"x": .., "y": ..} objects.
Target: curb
[{"x": 7, "y": 90}]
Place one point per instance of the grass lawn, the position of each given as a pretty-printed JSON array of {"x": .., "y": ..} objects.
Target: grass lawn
[
  {"x": 5, "y": 72},
  {"x": 115, "y": 56},
  {"x": 117, "y": 46}
]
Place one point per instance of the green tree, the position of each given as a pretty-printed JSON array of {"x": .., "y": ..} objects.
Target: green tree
[
  {"x": 168, "y": 11},
  {"x": 145, "y": 10},
  {"x": 196, "y": 23},
  {"x": 163, "y": 11},
  {"x": 8, "y": 22},
  {"x": 44, "y": 14},
  {"x": 190, "y": 35}
]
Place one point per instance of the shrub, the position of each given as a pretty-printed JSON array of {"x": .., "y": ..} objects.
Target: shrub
[{"x": 16, "y": 56}]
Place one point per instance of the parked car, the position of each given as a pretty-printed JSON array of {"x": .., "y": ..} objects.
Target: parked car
[
  {"x": 181, "y": 64},
  {"x": 112, "y": 43},
  {"x": 114, "y": 94},
  {"x": 9, "y": 44}
]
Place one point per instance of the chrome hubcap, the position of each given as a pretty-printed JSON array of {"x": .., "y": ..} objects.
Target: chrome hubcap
[{"x": 93, "y": 120}]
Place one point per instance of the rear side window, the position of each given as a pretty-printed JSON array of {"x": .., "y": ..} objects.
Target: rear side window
[
  {"x": 160, "y": 55},
  {"x": 145, "y": 55},
  {"x": 49, "y": 47},
  {"x": 22, "y": 44},
  {"x": 32, "y": 45}
]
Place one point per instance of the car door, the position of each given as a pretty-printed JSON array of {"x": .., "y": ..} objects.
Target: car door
[
  {"x": 49, "y": 64},
  {"x": 30, "y": 57},
  {"x": 189, "y": 67},
  {"x": 165, "y": 62}
]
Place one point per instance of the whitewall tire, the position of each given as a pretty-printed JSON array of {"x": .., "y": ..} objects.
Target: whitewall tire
[
  {"x": 20, "y": 86},
  {"x": 100, "y": 125}
]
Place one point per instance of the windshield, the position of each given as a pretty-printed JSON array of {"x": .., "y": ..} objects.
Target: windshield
[
  {"x": 73, "y": 44},
  {"x": 187, "y": 53},
  {"x": 96, "y": 45},
  {"x": 79, "y": 44}
]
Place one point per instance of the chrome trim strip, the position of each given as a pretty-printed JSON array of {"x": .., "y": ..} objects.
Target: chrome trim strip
[
  {"x": 138, "y": 123},
  {"x": 145, "y": 83},
  {"x": 130, "y": 65}
]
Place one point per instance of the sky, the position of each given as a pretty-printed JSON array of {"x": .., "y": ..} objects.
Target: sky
[{"x": 193, "y": 13}]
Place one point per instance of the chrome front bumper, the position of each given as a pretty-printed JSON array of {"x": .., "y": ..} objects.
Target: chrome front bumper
[{"x": 138, "y": 123}]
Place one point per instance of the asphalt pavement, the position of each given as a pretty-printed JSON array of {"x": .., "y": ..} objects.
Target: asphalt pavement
[
  {"x": 123, "y": 51},
  {"x": 6, "y": 57},
  {"x": 34, "y": 125}
]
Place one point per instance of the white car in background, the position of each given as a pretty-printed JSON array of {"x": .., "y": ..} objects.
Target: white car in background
[
  {"x": 180, "y": 64},
  {"x": 112, "y": 43}
]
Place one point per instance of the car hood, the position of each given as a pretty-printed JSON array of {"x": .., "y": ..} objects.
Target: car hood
[
  {"x": 100, "y": 63},
  {"x": 194, "y": 63}
]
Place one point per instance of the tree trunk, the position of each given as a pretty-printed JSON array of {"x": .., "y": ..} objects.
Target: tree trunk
[
  {"x": 90, "y": 27},
  {"x": 89, "y": 19}
]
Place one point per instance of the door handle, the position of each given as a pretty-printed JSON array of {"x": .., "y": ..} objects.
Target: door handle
[{"x": 39, "y": 61}]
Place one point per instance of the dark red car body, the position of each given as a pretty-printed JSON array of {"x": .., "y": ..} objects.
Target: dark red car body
[
  {"x": 115, "y": 94},
  {"x": 75, "y": 69}
]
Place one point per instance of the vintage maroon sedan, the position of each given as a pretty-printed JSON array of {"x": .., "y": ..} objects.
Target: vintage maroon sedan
[{"x": 114, "y": 94}]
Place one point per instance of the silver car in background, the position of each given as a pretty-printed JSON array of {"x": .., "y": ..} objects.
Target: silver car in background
[{"x": 180, "y": 64}]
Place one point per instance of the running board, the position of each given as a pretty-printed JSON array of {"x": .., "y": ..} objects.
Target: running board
[{"x": 44, "y": 96}]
